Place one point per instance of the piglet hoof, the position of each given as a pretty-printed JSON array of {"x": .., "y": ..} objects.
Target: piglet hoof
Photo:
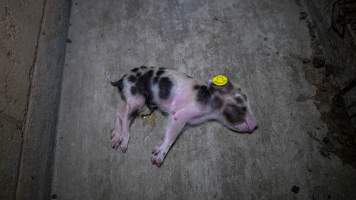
[
  {"x": 119, "y": 141},
  {"x": 156, "y": 161},
  {"x": 115, "y": 142},
  {"x": 157, "y": 157},
  {"x": 156, "y": 150},
  {"x": 113, "y": 133},
  {"x": 123, "y": 147}
]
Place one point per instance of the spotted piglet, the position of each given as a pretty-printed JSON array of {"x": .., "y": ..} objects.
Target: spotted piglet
[{"x": 186, "y": 101}]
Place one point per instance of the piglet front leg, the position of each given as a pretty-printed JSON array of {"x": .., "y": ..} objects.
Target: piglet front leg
[
  {"x": 172, "y": 132},
  {"x": 176, "y": 123}
]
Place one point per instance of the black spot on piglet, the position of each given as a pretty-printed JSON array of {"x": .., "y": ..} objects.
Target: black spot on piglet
[
  {"x": 216, "y": 102},
  {"x": 159, "y": 73},
  {"x": 143, "y": 85},
  {"x": 195, "y": 87},
  {"x": 134, "y": 69},
  {"x": 203, "y": 95},
  {"x": 165, "y": 86},
  {"x": 132, "y": 78},
  {"x": 234, "y": 114},
  {"x": 133, "y": 90},
  {"x": 155, "y": 79},
  {"x": 239, "y": 100}
]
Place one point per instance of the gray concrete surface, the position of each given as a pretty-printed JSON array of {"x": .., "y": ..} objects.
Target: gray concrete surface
[
  {"x": 39, "y": 132},
  {"x": 259, "y": 44},
  {"x": 32, "y": 46},
  {"x": 20, "y": 24}
]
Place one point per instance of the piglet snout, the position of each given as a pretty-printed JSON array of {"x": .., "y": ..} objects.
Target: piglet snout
[
  {"x": 248, "y": 125},
  {"x": 251, "y": 124}
]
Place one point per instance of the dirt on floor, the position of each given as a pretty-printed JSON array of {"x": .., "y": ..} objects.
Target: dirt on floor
[{"x": 340, "y": 139}]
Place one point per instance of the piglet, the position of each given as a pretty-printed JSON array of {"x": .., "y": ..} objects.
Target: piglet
[{"x": 184, "y": 100}]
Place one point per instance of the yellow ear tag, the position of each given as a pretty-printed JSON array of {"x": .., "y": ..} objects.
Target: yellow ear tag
[{"x": 220, "y": 80}]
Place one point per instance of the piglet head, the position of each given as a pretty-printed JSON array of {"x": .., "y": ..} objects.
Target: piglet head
[{"x": 235, "y": 112}]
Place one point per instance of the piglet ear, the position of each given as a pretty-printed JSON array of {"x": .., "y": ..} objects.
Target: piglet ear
[
  {"x": 228, "y": 87},
  {"x": 210, "y": 82}
]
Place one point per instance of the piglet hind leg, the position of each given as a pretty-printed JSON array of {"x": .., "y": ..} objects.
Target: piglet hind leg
[
  {"x": 120, "y": 135},
  {"x": 176, "y": 123}
]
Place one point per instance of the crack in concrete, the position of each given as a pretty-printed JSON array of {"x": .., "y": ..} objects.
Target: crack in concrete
[{"x": 27, "y": 113}]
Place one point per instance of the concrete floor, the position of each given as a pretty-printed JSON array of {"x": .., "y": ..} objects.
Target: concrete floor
[
  {"x": 20, "y": 23},
  {"x": 257, "y": 43},
  {"x": 32, "y": 49}
]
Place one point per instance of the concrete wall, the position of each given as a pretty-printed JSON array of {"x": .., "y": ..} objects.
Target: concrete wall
[{"x": 32, "y": 44}]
